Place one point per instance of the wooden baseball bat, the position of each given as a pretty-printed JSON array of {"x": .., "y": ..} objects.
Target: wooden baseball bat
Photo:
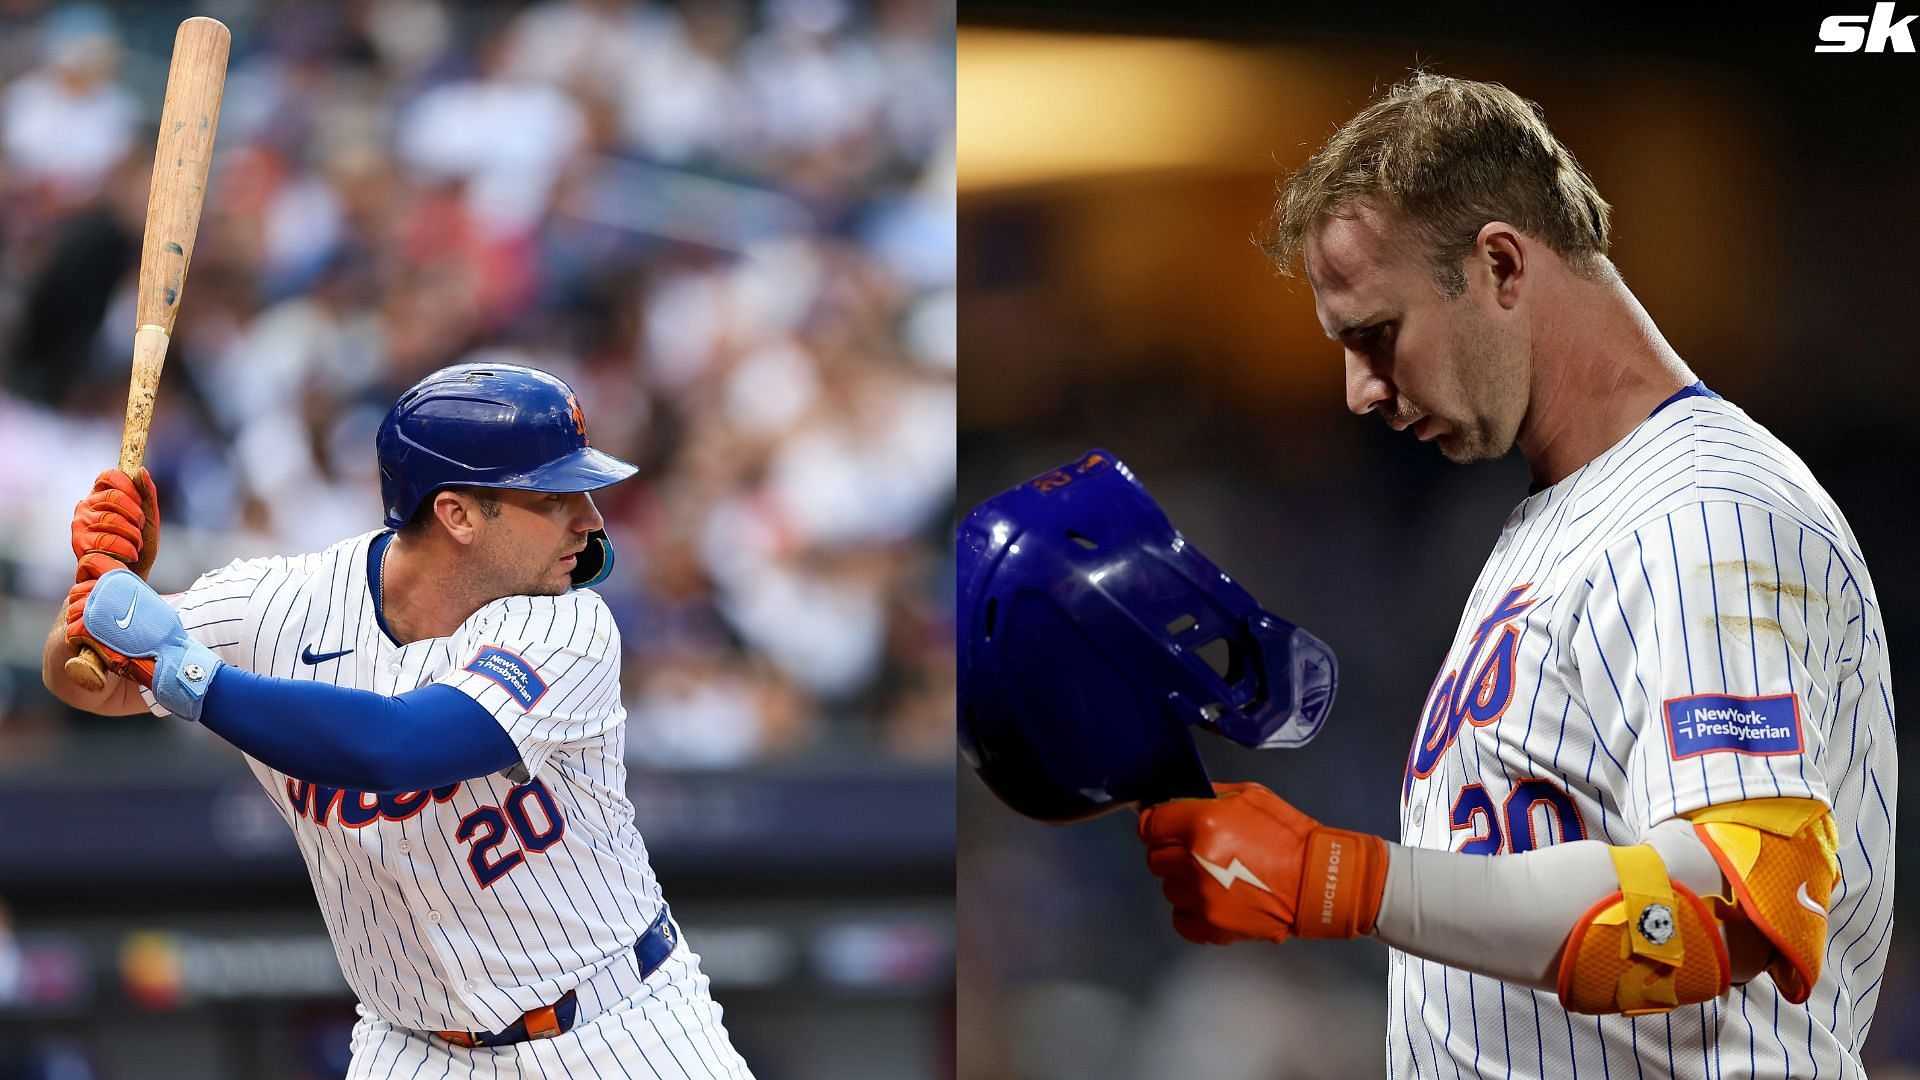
[{"x": 188, "y": 119}]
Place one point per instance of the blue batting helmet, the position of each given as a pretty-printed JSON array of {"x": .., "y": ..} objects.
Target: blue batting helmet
[
  {"x": 1092, "y": 636},
  {"x": 493, "y": 426}
]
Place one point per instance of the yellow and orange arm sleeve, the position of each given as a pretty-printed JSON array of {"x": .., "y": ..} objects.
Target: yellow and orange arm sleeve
[
  {"x": 1672, "y": 917},
  {"x": 1780, "y": 858}
]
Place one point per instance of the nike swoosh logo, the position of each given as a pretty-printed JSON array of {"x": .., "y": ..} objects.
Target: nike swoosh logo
[
  {"x": 1230, "y": 873},
  {"x": 128, "y": 621},
  {"x": 1808, "y": 902},
  {"x": 307, "y": 656}
]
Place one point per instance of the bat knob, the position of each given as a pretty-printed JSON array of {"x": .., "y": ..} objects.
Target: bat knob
[{"x": 86, "y": 671}]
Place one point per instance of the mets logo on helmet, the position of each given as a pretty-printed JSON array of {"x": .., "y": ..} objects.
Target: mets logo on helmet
[{"x": 579, "y": 418}]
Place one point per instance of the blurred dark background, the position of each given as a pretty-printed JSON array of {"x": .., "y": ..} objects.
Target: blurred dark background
[
  {"x": 729, "y": 224},
  {"x": 1116, "y": 161}
]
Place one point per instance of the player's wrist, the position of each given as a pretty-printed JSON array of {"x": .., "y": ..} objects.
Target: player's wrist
[
  {"x": 182, "y": 675},
  {"x": 1343, "y": 875}
]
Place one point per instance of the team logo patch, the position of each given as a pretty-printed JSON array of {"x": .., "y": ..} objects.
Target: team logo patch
[
  {"x": 1706, "y": 723},
  {"x": 514, "y": 675}
]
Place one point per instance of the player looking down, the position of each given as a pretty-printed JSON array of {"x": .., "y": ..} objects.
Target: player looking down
[
  {"x": 1647, "y": 817},
  {"x": 435, "y": 709}
]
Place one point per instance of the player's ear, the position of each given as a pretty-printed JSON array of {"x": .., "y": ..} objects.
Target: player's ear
[
  {"x": 1500, "y": 254},
  {"x": 458, "y": 514}
]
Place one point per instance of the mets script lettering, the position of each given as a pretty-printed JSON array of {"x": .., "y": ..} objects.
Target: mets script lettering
[{"x": 1478, "y": 691}]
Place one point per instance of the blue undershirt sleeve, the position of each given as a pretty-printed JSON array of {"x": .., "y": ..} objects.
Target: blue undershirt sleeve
[{"x": 357, "y": 740}]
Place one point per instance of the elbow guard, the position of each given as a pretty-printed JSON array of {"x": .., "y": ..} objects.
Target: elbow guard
[
  {"x": 1780, "y": 858},
  {"x": 1648, "y": 948}
]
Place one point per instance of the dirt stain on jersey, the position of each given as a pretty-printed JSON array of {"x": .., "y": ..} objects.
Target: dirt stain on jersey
[
  {"x": 1743, "y": 626},
  {"x": 1760, "y": 578},
  {"x": 1790, "y": 592}
]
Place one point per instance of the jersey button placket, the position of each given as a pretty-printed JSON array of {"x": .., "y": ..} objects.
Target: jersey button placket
[{"x": 433, "y": 917}]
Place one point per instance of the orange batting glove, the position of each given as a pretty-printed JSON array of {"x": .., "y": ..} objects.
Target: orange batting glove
[
  {"x": 117, "y": 524},
  {"x": 140, "y": 669},
  {"x": 1246, "y": 866}
]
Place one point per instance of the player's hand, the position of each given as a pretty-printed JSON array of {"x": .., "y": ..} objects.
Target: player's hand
[
  {"x": 140, "y": 670},
  {"x": 140, "y": 637},
  {"x": 1247, "y": 866},
  {"x": 117, "y": 524}
]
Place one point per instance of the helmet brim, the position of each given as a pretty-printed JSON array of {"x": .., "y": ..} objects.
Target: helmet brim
[{"x": 583, "y": 470}]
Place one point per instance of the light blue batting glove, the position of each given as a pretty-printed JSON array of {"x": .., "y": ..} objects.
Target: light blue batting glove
[{"x": 126, "y": 615}]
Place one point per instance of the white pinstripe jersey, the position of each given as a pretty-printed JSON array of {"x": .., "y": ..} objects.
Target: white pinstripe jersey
[
  {"x": 463, "y": 907},
  {"x": 1684, "y": 621}
]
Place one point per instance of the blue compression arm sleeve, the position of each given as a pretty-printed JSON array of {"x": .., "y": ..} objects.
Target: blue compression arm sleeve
[{"x": 357, "y": 740}]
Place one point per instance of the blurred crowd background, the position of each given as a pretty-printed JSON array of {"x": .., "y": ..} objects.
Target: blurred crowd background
[
  {"x": 1116, "y": 162},
  {"x": 728, "y": 224}
]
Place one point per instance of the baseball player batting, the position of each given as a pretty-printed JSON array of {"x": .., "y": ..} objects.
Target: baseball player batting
[{"x": 435, "y": 709}]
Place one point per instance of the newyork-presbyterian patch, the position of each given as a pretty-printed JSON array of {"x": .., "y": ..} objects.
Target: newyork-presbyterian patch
[
  {"x": 1705, "y": 723},
  {"x": 514, "y": 675}
]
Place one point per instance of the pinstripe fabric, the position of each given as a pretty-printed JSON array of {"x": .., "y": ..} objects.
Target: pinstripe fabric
[
  {"x": 465, "y": 907},
  {"x": 1696, "y": 557},
  {"x": 666, "y": 1027}
]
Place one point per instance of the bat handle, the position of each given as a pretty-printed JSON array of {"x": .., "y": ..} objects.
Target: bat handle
[{"x": 85, "y": 667}]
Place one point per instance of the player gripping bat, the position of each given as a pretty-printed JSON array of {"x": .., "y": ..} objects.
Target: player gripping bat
[{"x": 120, "y": 520}]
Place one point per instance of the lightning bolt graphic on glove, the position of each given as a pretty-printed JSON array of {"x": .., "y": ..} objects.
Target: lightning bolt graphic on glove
[{"x": 1232, "y": 872}]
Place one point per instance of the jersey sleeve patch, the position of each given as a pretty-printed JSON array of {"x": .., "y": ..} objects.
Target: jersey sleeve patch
[
  {"x": 514, "y": 675},
  {"x": 1710, "y": 723}
]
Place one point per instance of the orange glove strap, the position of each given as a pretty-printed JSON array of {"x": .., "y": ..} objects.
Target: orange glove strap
[
  {"x": 1246, "y": 865},
  {"x": 1343, "y": 875}
]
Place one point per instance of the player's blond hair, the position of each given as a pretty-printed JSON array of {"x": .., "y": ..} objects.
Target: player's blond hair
[{"x": 1446, "y": 156}]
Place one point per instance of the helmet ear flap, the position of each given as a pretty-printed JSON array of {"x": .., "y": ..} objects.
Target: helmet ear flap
[{"x": 595, "y": 563}]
